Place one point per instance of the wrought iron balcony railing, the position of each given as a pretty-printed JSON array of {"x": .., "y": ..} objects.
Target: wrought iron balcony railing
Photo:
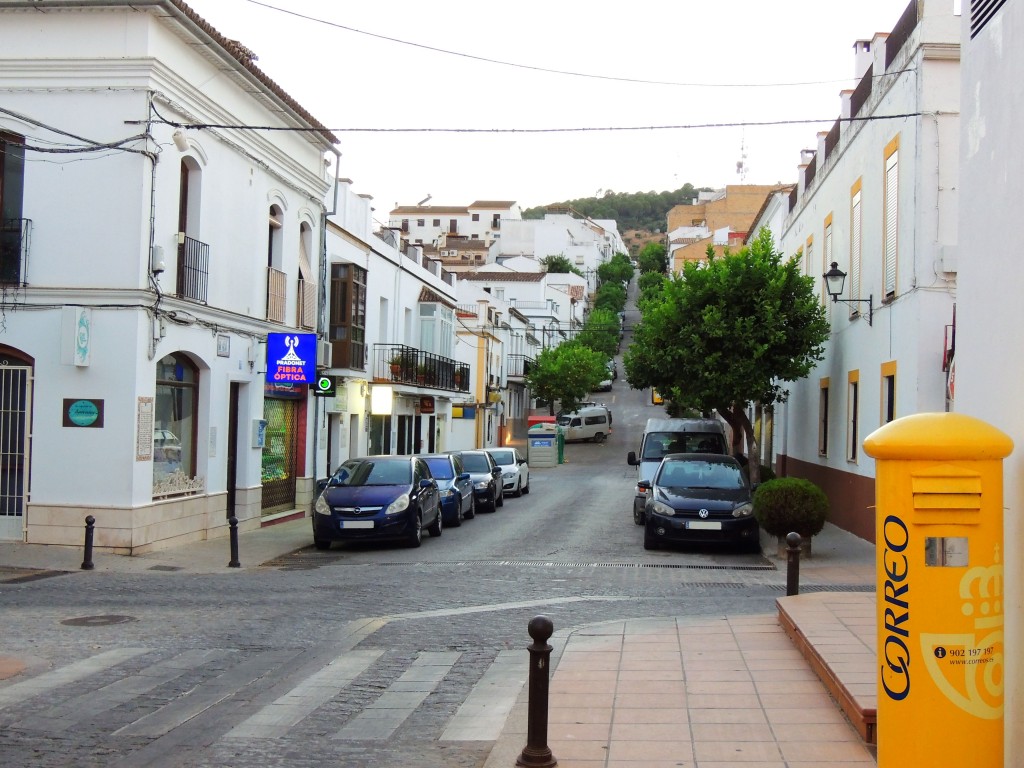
[{"x": 408, "y": 365}]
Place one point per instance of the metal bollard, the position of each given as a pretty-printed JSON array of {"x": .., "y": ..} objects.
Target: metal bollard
[
  {"x": 536, "y": 752},
  {"x": 233, "y": 535},
  {"x": 793, "y": 563},
  {"x": 90, "y": 523}
]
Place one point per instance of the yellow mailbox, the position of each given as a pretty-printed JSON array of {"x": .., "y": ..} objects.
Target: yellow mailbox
[{"x": 939, "y": 544}]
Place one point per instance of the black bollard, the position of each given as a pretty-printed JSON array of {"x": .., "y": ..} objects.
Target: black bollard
[
  {"x": 90, "y": 523},
  {"x": 793, "y": 563},
  {"x": 233, "y": 535},
  {"x": 536, "y": 752}
]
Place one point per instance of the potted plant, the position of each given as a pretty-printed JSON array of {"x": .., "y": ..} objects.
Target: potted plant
[
  {"x": 791, "y": 504},
  {"x": 421, "y": 372},
  {"x": 461, "y": 375},
  {"x": 396, "y": 363}
]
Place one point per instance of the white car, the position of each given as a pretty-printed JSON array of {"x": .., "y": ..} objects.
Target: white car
[{"x": 515, "y": 472}]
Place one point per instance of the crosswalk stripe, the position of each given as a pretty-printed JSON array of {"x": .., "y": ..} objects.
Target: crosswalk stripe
[
  {"x": 206, "y": 695},
  {"x": 384, "y": 716},
  {"x": 482, "y": 715},
  {"x": 91, "y": 704},
  {"x": 79, "y": 670},
  {"x": 274, "y": 720}
]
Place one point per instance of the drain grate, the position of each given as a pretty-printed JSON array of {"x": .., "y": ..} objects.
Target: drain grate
[
  {"x": 558, "y": 564},
  {"x": 826, "y": 587},
  {"x": 98, "y": 621}
]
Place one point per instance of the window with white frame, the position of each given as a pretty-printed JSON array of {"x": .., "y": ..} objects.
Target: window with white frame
[
  {"x": 890, "y": 236},
  {"x": 826, "y": 264},
  {"x": 855, "y": 246},
  {"x": 888, "y": 391},
  {"x": 852, "y": 415},
  {"x": 823, "y": 417}
]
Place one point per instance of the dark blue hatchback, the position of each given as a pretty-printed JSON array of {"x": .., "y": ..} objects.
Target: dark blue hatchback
[
  {"x": 378, "y": 497},
  {"x": 453, "y": 481}
]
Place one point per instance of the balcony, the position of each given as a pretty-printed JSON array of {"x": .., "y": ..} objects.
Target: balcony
[
  {"x": 307, "y": 305},
  {"x": 277, "y": 288},
  {"x": 193, "y": 269},
  {"x": 397, "y": 363},
  {"x": 519, "y": 366},
  {"x": 15, "y": 235}
]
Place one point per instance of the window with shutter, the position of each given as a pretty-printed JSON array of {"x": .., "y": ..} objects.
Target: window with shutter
[
  {"x": 889, "y": 253},
  {"x": 826, "y": 264},
  {"x": 855, "y": 248}
]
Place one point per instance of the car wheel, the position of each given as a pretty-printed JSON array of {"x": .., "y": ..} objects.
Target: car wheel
[
  {"x": 519, "y": 489},
  {"x": 638, "y": 516},
  {"x": 650, "y": 541},
  {"x": 526, "y": 488},
  {"x": 416, "y": 534},
  {"x": 500, "y": 501},
  {"x": 458, "y": 515},
  {"x": 437, "y": 528},
  {"x": 472, "y": 508},
  {"x": 322, "y": 544},
  {"x": 599, "y": 437}
]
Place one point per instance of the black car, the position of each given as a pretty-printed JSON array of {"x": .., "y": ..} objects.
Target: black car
[
  {"x": 378, "y": 497},
  {"x": 488, "y": 489},
  {"x": 699, "y": 497}
]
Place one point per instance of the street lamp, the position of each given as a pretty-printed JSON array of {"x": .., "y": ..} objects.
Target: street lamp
[{"x": 834, "y": 280}]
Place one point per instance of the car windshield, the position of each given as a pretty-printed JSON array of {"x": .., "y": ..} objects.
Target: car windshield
[
  {"x": 659, "y": 444},
  {"x": 361, "y": 473},
  {"x": 564, "y": 421},
  {"x": 440, "y": 468},
  {"x": 475, "y": 462},
  {"x": 503, "y": 457},
  {"x": 700, "y": 474}
]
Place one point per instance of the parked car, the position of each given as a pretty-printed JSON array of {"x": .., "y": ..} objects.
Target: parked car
[
  {"x": 515, "y": 472},
  {"x": 605, "y": 385},
  {"x": 700, "y": 497},
  {"x": 588, "y": 423},
  {"x": 377, "y": 497},
  {"x": 664, "y": 436},
  {"x": 488, "y": 491},
  {"x": 454, "y": 485}
]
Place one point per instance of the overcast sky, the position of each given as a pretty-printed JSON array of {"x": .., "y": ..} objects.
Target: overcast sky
[{"x": 478, "y": 65}]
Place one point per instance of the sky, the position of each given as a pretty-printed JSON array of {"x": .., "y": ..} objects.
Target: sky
[{"x": 542, "y": 82}]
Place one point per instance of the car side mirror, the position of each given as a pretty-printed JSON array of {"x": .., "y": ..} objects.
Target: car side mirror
[
  {"x": 322, "y": 484},
  {"x": 644, "y": 485},
  {"x": 463, "y": 476},
  {"x": 426, "y": 483},
  {"x": 631, "y": 459}
]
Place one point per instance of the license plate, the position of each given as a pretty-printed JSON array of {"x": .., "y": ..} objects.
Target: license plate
[
  {"x": 357, "y": 523},
  {"x": 704, "y": 525}
]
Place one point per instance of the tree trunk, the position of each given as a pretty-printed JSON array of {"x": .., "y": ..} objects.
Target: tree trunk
[{"x": 743, "y": 432}]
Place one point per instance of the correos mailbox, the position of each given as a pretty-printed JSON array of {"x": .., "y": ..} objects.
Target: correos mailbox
[{"x": 939, "y": 544}]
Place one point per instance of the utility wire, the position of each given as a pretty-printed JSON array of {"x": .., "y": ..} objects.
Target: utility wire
[{"x": 569, "y": 73}]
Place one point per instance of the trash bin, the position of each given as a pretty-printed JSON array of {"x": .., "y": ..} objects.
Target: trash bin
[{"x": 542, "y": 445}]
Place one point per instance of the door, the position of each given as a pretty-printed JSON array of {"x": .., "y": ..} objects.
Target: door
[{"x": 15, "y": 407}]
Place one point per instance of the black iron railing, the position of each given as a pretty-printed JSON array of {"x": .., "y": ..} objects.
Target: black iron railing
[
  {"x": 900, "y": 33},
  {"x": 14, "y": 242},
  {"x": 862, "y": 92},
  {"x": 193, "y": 269},
  {"x": 519, "y": 366},
  {"x": 408, "y": 365}
]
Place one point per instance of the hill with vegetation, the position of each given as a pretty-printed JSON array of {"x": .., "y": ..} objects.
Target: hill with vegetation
[{"x": 640, "y": 216}]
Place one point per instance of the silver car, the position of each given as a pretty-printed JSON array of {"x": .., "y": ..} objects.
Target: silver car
[{"x": 515, "y": 472}]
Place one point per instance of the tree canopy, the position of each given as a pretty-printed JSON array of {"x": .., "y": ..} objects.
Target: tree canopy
[
  {"x": 653, "y": 257},
  {"x": 729, "y": 332},
  {"x": 632, "y": 210},
  {"x": 559, "y": 264},
  {"x": 567, "y": 373}
]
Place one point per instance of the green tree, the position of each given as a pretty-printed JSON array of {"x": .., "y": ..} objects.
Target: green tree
[
  {"x": 610, "y": 296},
  {"x": 653, "y": 257},
  {"x": 730, "y": 332},
  {"x": 650, "y": 285},
  {"x": 618, "y": 270},
  {"x": 601, "y": 332},
  {"x": 559, "y": 264},
  {"x": 566, "y": 373}
]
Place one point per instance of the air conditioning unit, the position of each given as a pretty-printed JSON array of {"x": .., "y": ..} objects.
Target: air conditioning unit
[{"x": 324, "y": 352}]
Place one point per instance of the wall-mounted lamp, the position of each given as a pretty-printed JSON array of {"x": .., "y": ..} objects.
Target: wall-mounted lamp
[
  {"x": 834, "y": 280},
  {"x": 180, "y": 141}
]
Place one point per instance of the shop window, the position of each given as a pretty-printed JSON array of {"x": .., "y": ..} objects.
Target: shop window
[{"x": 174, "y": 424}]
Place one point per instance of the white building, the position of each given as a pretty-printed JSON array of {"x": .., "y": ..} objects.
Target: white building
[
  {"x": 989, "y": 332},
  {"x": 141, "y": 282},
  {"x": 879, "y": 198},
  {"x": 386, "y": 302},
  {"x": 481, "y": 220}
]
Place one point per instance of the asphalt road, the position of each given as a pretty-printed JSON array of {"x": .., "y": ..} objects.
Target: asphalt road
[{"x": 368, "y": 655}]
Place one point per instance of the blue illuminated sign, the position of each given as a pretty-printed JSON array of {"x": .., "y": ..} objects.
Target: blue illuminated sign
[{"x": 291, "y": 358}]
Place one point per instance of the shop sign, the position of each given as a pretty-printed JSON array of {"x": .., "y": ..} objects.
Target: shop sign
[
  {"x": 83, "y": 413},
  {"x": 291, "y": 358},
  {"x": 426, "y": 405}
]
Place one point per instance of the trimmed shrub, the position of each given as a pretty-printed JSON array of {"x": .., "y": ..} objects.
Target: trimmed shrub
[{"x": 788, "y": 504}]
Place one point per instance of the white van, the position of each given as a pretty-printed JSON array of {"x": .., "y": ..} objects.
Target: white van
[
  {"x": 665, "y": 436},
  {"x": 591, "y": 423}
]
